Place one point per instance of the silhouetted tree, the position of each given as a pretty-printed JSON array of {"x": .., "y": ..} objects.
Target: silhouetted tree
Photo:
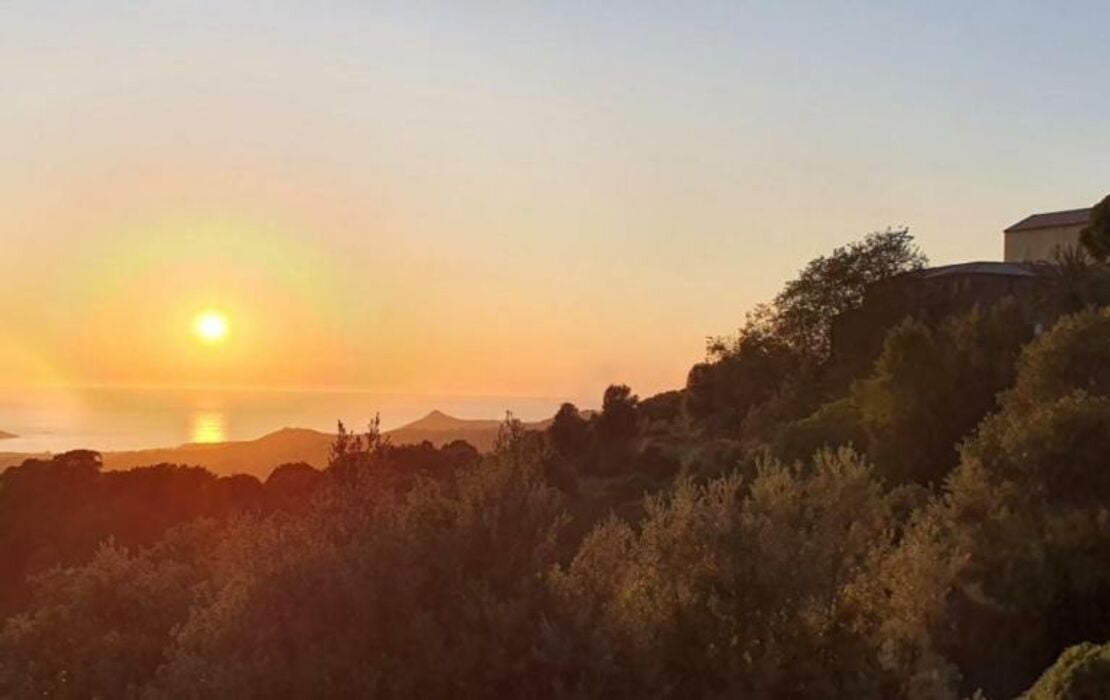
[
  {"x": 738, "y": 375},
  {"x": 618, "y": 414},
  {"x": 345, "y": 443},
  {"x": 662, "y": 412},
  {"x": 614, "y": 430},
  {"x": 56, "y": 512},
  {"x": 290, "y": 486},
  {"x": 569, "y": 433},
  {"x": 777, "y": 351},
  {"x": 461, "y": 453},
  {"x": 351, "y": 453},
  {"x": 375, "y": 440},
  {"x": 802, "y": 313}
]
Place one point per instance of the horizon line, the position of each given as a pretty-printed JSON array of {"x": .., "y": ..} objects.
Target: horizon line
[{"x": 276, "y": 390}]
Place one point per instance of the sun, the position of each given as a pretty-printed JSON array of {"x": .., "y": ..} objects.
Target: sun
[{"x": 211, "y": 326}]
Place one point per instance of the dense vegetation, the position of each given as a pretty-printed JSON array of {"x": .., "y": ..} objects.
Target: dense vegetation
[{"x": 933, "y": 527}]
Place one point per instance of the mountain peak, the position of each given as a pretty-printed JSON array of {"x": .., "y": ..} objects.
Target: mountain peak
[{"x": 437, "y": 420}]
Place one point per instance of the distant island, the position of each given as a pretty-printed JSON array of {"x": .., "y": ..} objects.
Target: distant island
[
  {"x": 7, "y": 436},
  {"x": 258, "y": 457}
]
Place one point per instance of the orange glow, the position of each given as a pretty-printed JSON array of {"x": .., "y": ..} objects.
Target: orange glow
[
  {"x": 208, "y": 427},
  {"x": 211, "y": 327}
]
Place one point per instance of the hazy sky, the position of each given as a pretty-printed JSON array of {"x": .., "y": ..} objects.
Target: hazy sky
[{"x": 500, "y": 198}]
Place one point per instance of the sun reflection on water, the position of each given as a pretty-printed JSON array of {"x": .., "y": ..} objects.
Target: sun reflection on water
[{"x": 208, "y": 427}]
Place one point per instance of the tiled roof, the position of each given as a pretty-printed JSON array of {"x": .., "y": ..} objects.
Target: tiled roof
[
  {"x": 1004, "y": 269},
  {"x": 1071, "y": 217}
]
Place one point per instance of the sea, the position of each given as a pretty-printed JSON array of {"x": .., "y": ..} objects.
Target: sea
[{"x": 111, "y": 419}]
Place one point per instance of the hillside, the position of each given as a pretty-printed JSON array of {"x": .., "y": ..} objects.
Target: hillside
[
  {"x": 887, "y": 520},
  {"x": 258, "y": 457},
  {"x": 439, "y": 428}
]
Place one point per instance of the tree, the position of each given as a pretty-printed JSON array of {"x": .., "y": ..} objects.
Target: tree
[
  {"x": 618, "y": 413},
  {"x": 615, "y": 429},
  {"x": 836, "y": 424},
  {"x": 739, "y": 374},
  {"x": 1016, "y": 546},
  {"x": 291, "y": 485},
  {"x": 97, "y": 629},
  {"x": 902, "y": 406},
  {"x": 730, "y": 590},
  {"x": 345, "y": 443},
  {"x": 56, "y": 512},
  {"x": 350, "y": 452},
  {"x": 375, "y": 441},
  {"x": 1072, "y": 283},
  {"x": 569, "y": 433},
  {"x": 662, "y": 413},
  {"x": 461, "y": 453},
  {"x": 1095, "y": 236},
  {"x": 790, "y": 338},
  {"x": 830, "y": 285},
  {"x": 1082, "y": 671},
  {"x": 371, "y": 593},
  {"x": 1075, "y": 354},
  {"x": 931, "y": 387}
]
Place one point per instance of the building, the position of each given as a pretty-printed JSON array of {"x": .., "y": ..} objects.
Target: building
[
  {"x": 934, "y": 294},
  {"x": 929, "y": 295},
  {"x": 1036, "y": 238}
]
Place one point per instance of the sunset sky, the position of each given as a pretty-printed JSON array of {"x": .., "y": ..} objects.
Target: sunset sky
[{"x": 531, "y": 199}]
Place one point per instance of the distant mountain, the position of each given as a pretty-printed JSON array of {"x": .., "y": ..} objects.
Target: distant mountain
[
  {"x": 439, "y": 428},
  {"x": 259, "y": 457},
  {"x": 7, "y": 436}
]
